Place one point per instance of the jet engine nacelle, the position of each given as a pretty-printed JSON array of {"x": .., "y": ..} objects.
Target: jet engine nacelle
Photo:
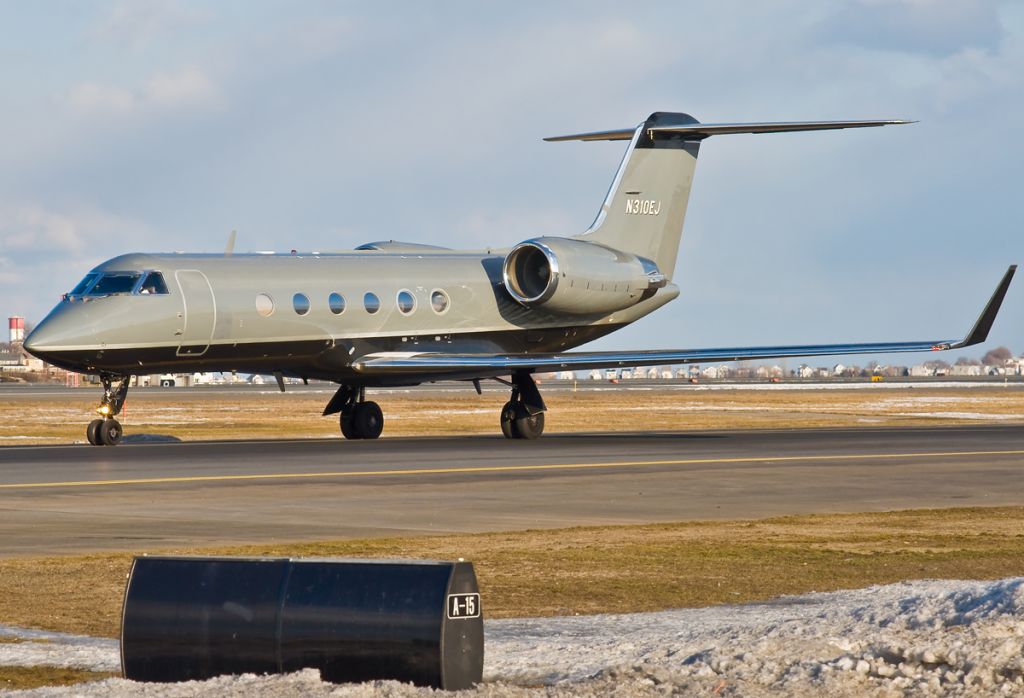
[{"x": 573, "y": 276}]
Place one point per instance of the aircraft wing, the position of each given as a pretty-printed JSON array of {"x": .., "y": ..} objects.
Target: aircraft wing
[{"x": 486, "y": 365}]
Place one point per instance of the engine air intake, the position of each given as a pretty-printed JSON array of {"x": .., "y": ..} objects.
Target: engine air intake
[{"x": 578, "y": 277}]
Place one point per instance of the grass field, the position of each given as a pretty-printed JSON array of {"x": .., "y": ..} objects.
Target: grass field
[
  {"x": 600, "y": 569},
  {"x": 198, "y": 414}
]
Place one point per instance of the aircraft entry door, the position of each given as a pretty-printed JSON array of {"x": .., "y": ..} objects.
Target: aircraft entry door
[{"x": 199, "y": 313}]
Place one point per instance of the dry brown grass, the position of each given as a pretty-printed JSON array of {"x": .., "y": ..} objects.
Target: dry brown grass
[
  {"x": 601, "y": 569},
  {"x": 198, "y": 414},
  {"x": 15, "y": 678}
]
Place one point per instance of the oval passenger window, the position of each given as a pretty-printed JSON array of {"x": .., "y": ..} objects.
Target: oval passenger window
[
  {"x": 336, "y": 302},
  {"x": 439, "y": 301},
  {"x": 406, "y": 302},
  {"x": 264, "y": 305},
  {"x": 371, "y": 303},
  {"x": 301, "y": 303}
]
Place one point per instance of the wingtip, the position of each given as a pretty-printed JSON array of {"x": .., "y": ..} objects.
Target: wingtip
[{"x": 979, "y": 333}]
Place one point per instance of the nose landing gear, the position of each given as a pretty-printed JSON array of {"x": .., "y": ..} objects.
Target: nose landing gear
[
  {"x": 107, "y": 431},
  {"x": 522, "y": 417},
  {"x": 359, "y": 419}
]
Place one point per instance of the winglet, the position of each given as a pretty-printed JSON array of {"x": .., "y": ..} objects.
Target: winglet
[{"x": 979, "y": 333}]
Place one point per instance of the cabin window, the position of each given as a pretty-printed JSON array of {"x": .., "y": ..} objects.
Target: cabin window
[
  {"x": 115, "y": 283},
  {"x": 153, "y": 284},
  {"x": 439, "y": 301},
  {"x": 84, "y": 284},
  {"x": 371, "y": 303},
  {"x": 264, "y": 305},
  {"x": 406, "y": 302},
  {"x": 336, "y": 302},
  {"x": 301, "y": 303}
]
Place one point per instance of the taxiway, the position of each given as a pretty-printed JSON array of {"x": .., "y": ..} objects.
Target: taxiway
[{"x": 142, "y": 497}]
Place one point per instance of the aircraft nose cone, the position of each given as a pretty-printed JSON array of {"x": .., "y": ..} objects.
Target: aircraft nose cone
[
  {"x": 62, "y": 331},
  {"x": 39, "y": 340}
]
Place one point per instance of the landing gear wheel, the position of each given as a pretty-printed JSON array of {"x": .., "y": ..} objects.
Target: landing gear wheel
[
  {"x": 348, "y": 429},
  {"x": 92, "y": 432},
  {"x": 529, "y": 426},
  {"x": 508, "y": 421},
  {"x": 110, "y": 432},
  {"x": 368, "y": 420}
]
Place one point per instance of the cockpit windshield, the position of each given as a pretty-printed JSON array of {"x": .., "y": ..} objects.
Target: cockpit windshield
[
  {"x": 154, "y": 283},
  {"x": 115, "y": 282},
  {"x": 84, "y": 284},
  {"x": 120, "y": 283}
]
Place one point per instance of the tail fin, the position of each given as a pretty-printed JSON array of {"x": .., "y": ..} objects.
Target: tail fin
[{"x": 644, "y": 210}]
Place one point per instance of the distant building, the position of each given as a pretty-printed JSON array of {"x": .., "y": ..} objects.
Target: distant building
[
  {"x": 921, "y": 371},
  {"x": 11, "y": 358}
]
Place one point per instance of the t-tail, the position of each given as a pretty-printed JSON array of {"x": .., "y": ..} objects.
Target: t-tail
[{"x": 645, "y": 208}]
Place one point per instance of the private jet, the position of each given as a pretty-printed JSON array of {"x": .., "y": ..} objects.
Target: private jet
[{"x": 390, "y": 313}]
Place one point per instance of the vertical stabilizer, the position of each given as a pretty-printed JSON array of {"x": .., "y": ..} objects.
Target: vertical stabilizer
[{"x": 644, "y": 210}]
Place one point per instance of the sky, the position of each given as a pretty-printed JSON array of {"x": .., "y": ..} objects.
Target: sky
[{"x": 163, "y": 125}]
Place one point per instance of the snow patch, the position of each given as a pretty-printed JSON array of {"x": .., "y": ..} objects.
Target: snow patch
[{"x": 913, "y": 638}]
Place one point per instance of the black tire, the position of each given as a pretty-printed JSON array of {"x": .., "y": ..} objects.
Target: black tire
[
  {"x": 508, "y": 421},
  {"x": 92, "y": 432},
  {"x": 368, "y": 420},
  {"x": 529, "y": 426},
  {"x": 110, "y": 432},
  {"x": 348, "y": 429}
]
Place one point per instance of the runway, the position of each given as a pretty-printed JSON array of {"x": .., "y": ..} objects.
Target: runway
[{"x": 143, "y": 497}]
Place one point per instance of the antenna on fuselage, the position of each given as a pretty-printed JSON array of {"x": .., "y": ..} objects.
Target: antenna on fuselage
[{"x": 230, "y": 247}]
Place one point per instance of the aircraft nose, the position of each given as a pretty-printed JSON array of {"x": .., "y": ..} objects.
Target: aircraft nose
[
  {"x": 60, "y": 334},
  {"x": 38, "y": 340}
]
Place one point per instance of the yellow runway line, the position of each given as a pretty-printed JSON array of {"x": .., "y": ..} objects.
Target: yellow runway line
[{"x": 502, "y": 468}]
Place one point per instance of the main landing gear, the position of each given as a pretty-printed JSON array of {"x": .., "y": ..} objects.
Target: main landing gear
[
  {"x": 107, "y": 431},
  {"x": 359, "y": 419},
  {"x": 522, "y": 417}
]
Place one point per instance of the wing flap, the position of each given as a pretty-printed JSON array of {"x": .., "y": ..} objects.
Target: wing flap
[{"x": 483, "y": 365}]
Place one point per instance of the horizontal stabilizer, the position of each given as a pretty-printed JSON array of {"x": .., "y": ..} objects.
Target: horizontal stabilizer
[
  {"x": 487, "y": 365},
  {"x": 699, "y": 131}
]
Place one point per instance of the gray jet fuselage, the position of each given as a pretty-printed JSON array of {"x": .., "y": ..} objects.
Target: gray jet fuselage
[{"x": 219, "y": 326}]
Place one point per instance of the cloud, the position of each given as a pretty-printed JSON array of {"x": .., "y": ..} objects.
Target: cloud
[
  {"x": 187, "y": 88},
  {"x": 931, "y": 27},
  {"x": 138, "y": 24},
  {"x": 94, "y": 97},
  {"x": 8, "y": 272},
  {"x": 28, "y": 230}
]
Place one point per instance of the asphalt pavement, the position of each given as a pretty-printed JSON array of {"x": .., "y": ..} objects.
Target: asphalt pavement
[{"x": 140, "y": 497}]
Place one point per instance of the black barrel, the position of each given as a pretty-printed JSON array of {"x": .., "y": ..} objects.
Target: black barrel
[{"x": 191, "y": 618}]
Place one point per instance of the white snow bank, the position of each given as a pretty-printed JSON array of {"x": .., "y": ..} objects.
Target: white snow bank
[
  {"x": 38, "y": 647},
  {"x": 917, "y": 638}
]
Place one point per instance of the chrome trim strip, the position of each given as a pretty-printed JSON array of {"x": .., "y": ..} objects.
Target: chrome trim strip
[
  {"x": 549, "y": 289},
  {"x": 606, "y": 206}
]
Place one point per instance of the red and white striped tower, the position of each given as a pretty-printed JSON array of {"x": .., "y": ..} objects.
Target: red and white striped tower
[{"x": 17, "y": 326}]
